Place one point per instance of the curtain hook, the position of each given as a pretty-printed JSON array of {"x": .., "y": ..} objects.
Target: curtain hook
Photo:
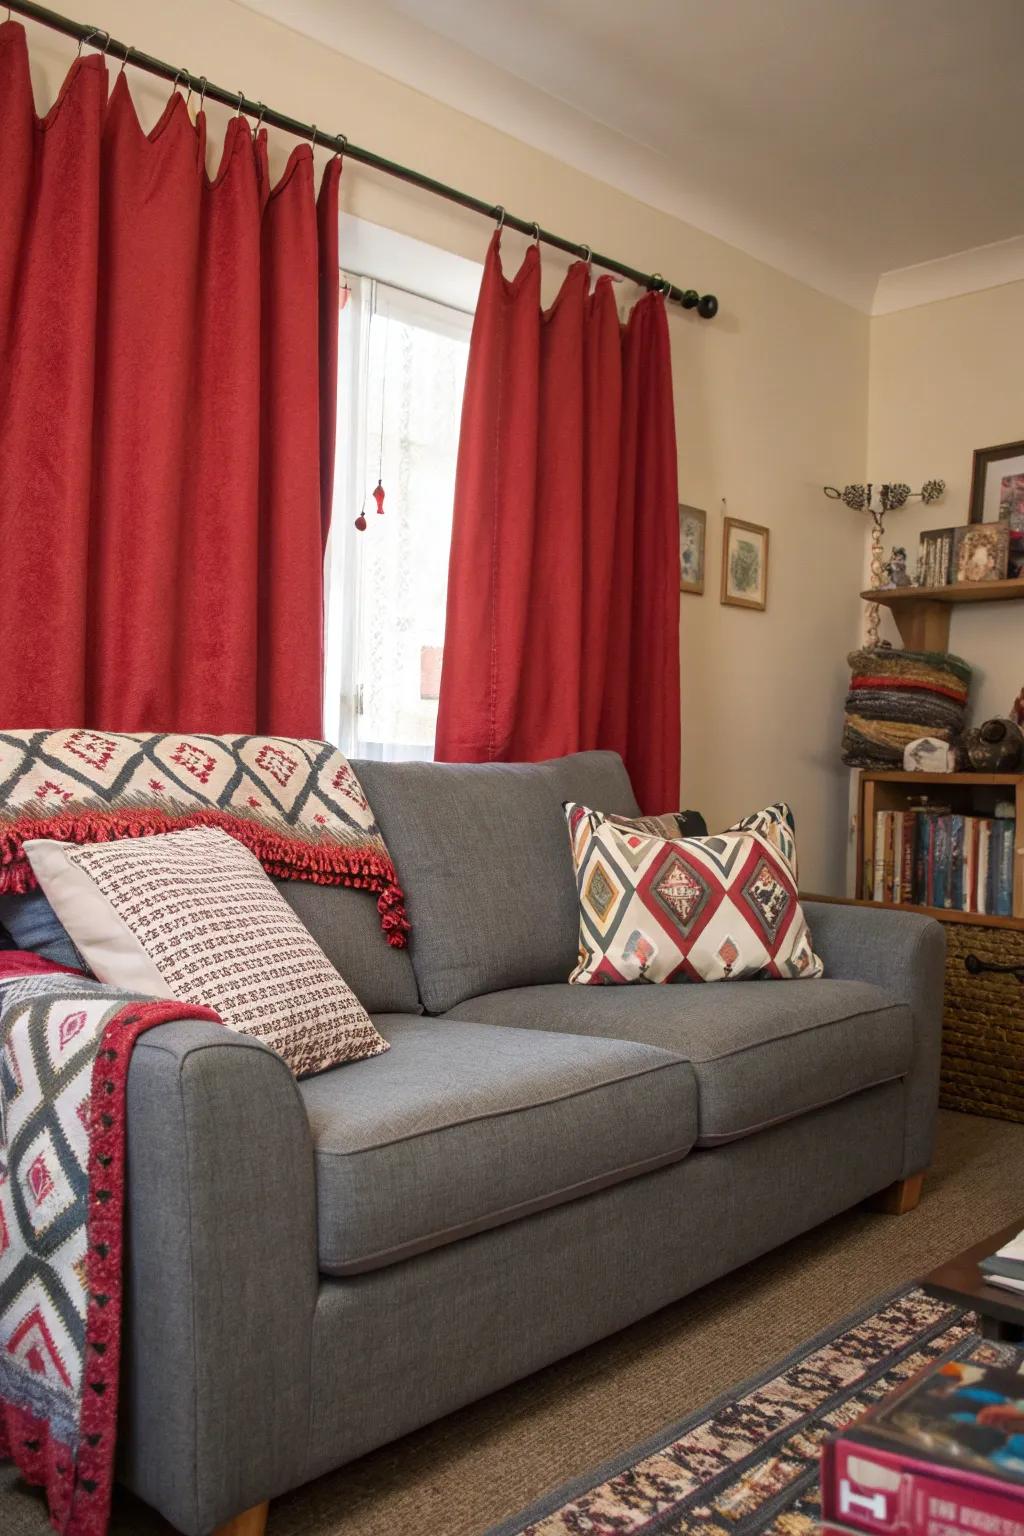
[
  {"x": 202, "y": 91},
  {"x": 499, "y": 213},
  {"x": 83, "y": 42},
  {"x": 259, "y": 121},
  {"x": 667, "y": 290},
  {"x": 536, "y": 234},
  {"x": 341, "y": 139},
  {"x": 177, "y": 76},
  {"x": 127, "y": 55},
  {"x": 312, "y": 136},
  {"x": 587, "y": 254},
  {"x": 238, "y": 109}
]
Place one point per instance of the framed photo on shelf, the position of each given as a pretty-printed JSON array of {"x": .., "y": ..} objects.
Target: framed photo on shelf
[
  {"x": 744, "y": 564},
  {"x": 693, "y": 524},
  {"x": 997, "y": 485},
  {"x": 980, "y": 552}
]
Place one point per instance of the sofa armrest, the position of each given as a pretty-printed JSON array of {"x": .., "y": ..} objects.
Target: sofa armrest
[
  {"x": 904, "y": 953},
  {"x": 221, "y": 1275}
]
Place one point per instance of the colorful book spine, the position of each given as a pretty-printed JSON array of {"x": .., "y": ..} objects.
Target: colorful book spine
[
  {"x": 971, "y": 859},
  {"x": 878, "y": 869},
  {"x": 906, "y": 890},
  {"x": 956, "y": 863},
  {"x": 1003, "y": 906},
  {"x": 921, "y": 854},
  {"x": 891, "y": 820},
  {"x": 940, "y": 865},
  {"x": 984, "y": 847}
]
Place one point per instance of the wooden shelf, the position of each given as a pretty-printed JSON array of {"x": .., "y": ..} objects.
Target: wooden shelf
[
  {"x": 922, "y": 614},
  {"x": 962, "y": 592},
  {"x": 942, "y": 914},
  {"x": 900, "y": 776},
  {"x": 889, "y": 789}
]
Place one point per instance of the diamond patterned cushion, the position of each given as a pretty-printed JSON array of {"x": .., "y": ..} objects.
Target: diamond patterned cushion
[
  {"x": 720, "y": 908},
  {"x": 191, "y": 915}
]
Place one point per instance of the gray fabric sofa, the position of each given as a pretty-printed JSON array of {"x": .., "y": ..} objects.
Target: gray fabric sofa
[{"x": 315, "y": 1268}]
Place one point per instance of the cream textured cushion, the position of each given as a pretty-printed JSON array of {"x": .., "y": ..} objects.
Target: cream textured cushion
[{"x": 191, "y": 915}]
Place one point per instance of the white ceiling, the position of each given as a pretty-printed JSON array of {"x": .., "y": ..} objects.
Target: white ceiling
[{"x": 838, "y": 140}]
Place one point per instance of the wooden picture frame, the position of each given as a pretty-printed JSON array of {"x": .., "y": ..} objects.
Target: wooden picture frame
[
  {"x": 988, "y": 470},
  {"x": 980, "y": 553},
  {"x": 693, "y": 544},
  {"x": 744, "y": 564}
]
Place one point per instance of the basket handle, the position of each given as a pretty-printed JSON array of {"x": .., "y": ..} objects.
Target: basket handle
[{"x": 975, "y": 965}]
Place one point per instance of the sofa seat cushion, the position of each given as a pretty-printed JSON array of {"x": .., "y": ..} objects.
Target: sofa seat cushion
[
  {"x": 762, "y": 1051},
  {"x": 461, "y": 1127}
]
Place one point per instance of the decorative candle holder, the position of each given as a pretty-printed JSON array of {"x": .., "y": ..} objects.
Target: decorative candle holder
[{"x": 879, "y": 500}]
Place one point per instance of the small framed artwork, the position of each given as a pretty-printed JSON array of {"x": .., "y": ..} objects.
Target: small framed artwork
[
  {"x": 997, "y": 485},
  {"x": 692, "y": 536},
  {"x": 744, "y": 564},
  {"x": 980, "y": 552}
]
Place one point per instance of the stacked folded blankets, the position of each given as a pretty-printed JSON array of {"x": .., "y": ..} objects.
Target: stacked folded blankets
[{"x": 897, "y": 696}]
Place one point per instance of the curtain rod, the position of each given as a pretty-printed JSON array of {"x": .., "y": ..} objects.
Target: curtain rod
[{"x": 706, "y": 305}]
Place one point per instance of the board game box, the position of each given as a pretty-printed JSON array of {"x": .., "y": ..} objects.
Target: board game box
[{"x": 942, "y": 1456}]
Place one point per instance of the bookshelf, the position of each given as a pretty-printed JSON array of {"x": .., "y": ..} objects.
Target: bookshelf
[
  {"x": 969, "y": 794},
  {"x": 922, "y": 614}
]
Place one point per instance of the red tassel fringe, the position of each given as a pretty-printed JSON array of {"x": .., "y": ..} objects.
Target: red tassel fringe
[{"x": 287, "y": 858}]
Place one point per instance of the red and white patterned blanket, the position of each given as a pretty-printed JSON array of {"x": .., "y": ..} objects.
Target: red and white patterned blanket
[
  {"x": 297, "y": 805},
  {"x": 65, "y": 1045}
]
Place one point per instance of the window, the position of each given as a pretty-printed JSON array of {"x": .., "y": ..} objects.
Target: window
[{"x": 402, "y": 369}]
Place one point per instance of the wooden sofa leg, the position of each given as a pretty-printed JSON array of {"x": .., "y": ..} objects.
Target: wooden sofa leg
[
  {"x": 900, "y": 1197},
  {"x": 253, "y": 1522}
]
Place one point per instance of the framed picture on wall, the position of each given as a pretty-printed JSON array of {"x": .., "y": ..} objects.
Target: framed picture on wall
[
  {"x": 997, "y": 485},
  {"x": 744, "y": 564},
  {"x": 692, "y": 536}
]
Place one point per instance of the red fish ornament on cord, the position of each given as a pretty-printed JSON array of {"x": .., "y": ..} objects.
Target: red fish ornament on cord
[{"x": 378, "y": 497}]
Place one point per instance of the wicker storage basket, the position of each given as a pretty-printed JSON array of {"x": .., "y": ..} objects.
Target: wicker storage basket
[{"x": 983, "y": 1026}]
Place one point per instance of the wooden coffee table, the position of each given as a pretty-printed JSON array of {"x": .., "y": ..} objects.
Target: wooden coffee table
[{"x": 961, "y": 1281}]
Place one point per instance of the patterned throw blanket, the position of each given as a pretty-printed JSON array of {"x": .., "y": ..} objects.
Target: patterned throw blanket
[
  {"x": 65, "y": 1045},
  {"x": 297, "y": 805}
]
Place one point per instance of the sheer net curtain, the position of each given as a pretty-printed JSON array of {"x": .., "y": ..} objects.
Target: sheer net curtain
[{"x": 400, "y": 390}]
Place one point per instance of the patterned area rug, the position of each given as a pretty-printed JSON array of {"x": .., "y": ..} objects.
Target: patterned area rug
[{"x": 748, "y": 1462}]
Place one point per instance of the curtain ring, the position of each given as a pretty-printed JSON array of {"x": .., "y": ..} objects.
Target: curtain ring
[
  {"x": 83, "y": 42},
  {"x": 127, "y": 55},
  {"x": 499, "y": 213},
  {"x": 536, "y": 234},
  {"x": 202, "y": 92},
  {"x": 238, "y": 109},
  {"x": 341, "y": 139},
  {"x": 177, "y": 76},
  {"x": 587, "y": 255},
  {"x": 312, "y": 136},
  {"x": 667, "y": 290},
  {"x": 259, "y": 121}
]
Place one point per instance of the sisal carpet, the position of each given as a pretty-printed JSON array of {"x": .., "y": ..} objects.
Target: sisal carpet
[{"x": 481, "y": 1465}]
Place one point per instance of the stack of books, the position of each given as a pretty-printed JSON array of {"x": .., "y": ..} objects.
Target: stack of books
[
  {"x": 942, "y": 1456},
  {"x": 940, "y": 858},
  {"x": 1006, "y": 1267}
]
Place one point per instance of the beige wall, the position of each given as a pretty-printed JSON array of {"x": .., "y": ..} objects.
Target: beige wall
[
  {"x": 945, "y": 379},
  {"x": 771, "y": 396}
]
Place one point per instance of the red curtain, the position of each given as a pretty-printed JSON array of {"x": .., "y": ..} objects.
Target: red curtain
[
  {"x": 563, "y": 587},
  {"x": 167, "y": 361}
]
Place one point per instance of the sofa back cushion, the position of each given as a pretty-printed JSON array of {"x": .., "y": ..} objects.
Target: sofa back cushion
[
  {"x": 483, "y": 856},
  {"x": 346, "y": 925}
]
